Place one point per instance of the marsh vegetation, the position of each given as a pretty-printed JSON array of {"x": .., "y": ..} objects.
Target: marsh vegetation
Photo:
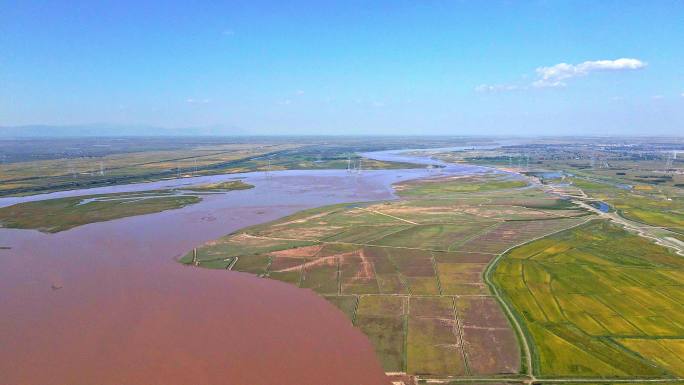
[{"x": 55, "y": 215}]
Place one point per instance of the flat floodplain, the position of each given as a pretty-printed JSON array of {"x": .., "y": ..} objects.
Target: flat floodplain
[
  {"x": 598, "y": 301},
  {"x": 55, "y": 215},
  {"x": 408, "y": 273},
  {"x": 62, "y": 214},
  {"x": 116, "y": 283},
  {"x": 74, "y": 163}
]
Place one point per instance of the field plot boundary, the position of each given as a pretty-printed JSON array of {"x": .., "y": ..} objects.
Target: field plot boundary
[
  {"x": 416, "y": 251},
  {"x": 526, "y": 346},
  {"x": 534, "y": 356},
  {"x": 493, "y": 293}
]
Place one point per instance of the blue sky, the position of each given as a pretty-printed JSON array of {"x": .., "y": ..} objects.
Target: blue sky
[{"x": 347, "y": 67}]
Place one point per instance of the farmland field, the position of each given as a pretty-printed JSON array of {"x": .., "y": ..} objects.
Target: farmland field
[
  {"x": 643, "y": 186},
  {"x": 471, "y": 275},
  {"x": 409, "y": 272},
  {"x": 598, "y": 301}
]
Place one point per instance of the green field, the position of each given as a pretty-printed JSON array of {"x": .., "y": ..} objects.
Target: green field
[
  {"x": 61, "y": 214},
  {"x": 55, "y": 215},
  {"x": 220, "y": 187},
  {"x": 636, "y": 184},
  {"x": 598, "y": 301},
  {"x": 403, "y": 270},
  {"x": 642, "y": 204},
  {"x": 593, "y": 301},
  {"x": 448, "y": 186}
]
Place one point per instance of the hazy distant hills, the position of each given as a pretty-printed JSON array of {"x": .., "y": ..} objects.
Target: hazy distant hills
[{"x": 104, "y": 130}]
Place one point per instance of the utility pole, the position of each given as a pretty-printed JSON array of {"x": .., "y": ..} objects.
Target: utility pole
[
  {"x": 668, "y": 162},
  {"x": 72, "y": 170}
]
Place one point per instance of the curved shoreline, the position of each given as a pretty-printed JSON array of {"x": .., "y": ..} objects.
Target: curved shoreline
[
  {"x": 389, "y": 155},
  {"x": 122, "y": 295}
]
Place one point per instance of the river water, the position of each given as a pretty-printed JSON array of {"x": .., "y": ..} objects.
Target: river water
[{"x": 107, "y": 303}]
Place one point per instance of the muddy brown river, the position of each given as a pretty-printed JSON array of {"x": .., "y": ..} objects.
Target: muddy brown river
[{"x": 107, "y": 303}]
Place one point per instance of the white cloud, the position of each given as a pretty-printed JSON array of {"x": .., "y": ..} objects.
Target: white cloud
[
  {"x": 299, "y": 92},
  {"x": 657, "y": 97},
  {"x": 554, "y": 76},
  {"x": 228, "y": 32},
  {"x": 557, "y": 75},
  {"x": 682, "y": 95}
]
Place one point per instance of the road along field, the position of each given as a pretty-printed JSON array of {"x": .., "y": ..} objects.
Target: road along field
[
  {"x": 409, "y": 273},
  {"x": 598, "y": 301},
  {"x": 638, "y": 184},
  {"x": 655, "y": 206}
]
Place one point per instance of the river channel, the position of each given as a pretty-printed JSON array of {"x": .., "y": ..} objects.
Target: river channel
[{"x": 107, "y": 303}]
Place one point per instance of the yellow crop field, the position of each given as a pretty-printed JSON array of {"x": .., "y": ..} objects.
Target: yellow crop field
[
  {"x": 604, "y": 307},
  {"x": 667, "y": 353}
]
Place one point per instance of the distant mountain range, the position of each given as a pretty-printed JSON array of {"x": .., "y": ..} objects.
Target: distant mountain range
[{"x": 104, "y": 130}]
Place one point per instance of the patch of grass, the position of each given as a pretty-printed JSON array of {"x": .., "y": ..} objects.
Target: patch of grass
[
  {"x": 386, "y": 333},
  {"x": 440, "y": 307},
  {"x": 221, "y": 187},
  {"x": 364, "y": 234},
  {"x": 433, "y": 237},
  {"x": 292, "y": 277},
  {"x": 381, "y": 305},
  {"x": 55, "y": 215},
  {"x": 433, "y": 347},
  {"x": 255, "y": 264},
  {"x": 321, "y": 278},
  {"x": 346, "y": 303},
  {"x": 241, "y": 246},
  {"x": 217, "y": 263},
  {"x": 555, "y": 204},
  {"x": 442, "y": 187}
]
